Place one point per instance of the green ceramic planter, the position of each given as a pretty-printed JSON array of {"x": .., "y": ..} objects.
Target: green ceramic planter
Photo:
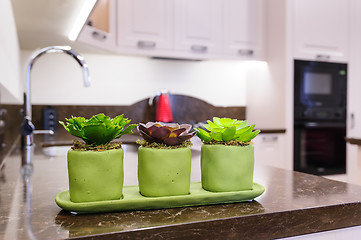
[
  {"x": 164, "y": 172},
  {"x": 95, "y": 176},
  {"x": 227, "y": 168}
]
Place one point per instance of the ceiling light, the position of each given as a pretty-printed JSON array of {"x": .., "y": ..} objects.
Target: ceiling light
[{"x": 81, "y": 19}]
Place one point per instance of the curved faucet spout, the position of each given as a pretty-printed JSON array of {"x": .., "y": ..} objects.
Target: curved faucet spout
[{"x": 33, "y": 58}]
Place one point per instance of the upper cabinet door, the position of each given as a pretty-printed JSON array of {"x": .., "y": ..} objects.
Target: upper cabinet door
[
  {"x": 145, "y": 24},
  {"x": 201, "y": 29},
  {"x": 321, "y": 30},
  {"x": 100, "y": 30},
  {"x": 243, "y": 28},
  {"x": 198, "y": 26}
]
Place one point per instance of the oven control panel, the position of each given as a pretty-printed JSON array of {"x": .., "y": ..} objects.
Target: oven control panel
[{"x": 321, "y": 114}]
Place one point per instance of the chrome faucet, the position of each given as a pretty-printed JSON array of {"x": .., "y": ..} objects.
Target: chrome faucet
[{"x": 27, "y": 128}]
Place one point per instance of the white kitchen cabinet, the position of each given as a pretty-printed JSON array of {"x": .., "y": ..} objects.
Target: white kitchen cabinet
[
  {"x": 321, "y": 30},
  {"x": 243, "y": 29},
  {"x": 100, "y": 30},
  {"x": 353, "y": 95},
  {"x": 202, "y": 29},
  {"x": 198, "y": 26},
  {"x": 145, "y": 25},
  {"x": 270, "y": 149},
  {"x": 354, "y": 74}
]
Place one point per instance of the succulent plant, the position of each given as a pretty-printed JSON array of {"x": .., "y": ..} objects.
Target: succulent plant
[
  {"x": 99, "y": 129},
  {"x": 226, "y": 130},
  {"x": 170, "y": 134}
]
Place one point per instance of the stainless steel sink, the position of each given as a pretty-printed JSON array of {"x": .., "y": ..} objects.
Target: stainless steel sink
[{"x": 53, "y": 151}]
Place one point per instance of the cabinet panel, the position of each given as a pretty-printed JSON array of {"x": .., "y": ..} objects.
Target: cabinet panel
[
  {"x": 99, "y": 18},
  {"x": 145, "y": 24},
  {"x": 321, "y": 29},
  {"x": 270, "y": 150},
  {"x": 353, "y": 153},
  {"x": 354, "y": 74},
  {"x": 198, "y": 26},
  {"x": 243, "y": 32},
  {"x": 100, "y": 29}
]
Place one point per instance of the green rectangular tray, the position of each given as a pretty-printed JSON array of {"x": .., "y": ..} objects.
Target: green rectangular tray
[{"x": 133, "y": 200}]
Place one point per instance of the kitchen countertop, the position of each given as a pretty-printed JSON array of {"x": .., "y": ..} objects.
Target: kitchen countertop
[{"x": 294, "y": 203}]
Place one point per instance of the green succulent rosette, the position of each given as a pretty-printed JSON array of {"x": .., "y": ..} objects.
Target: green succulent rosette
[
  {"x": 99, "y": 129},
  {"x": 226, "y": 130}
]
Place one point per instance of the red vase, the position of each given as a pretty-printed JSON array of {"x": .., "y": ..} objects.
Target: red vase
[{"x": 163, "y": 111}]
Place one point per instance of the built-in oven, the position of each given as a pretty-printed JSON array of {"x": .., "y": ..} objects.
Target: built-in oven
[
  {"x": 320, "y": 148},
  {"x": 320, "y": 117}
]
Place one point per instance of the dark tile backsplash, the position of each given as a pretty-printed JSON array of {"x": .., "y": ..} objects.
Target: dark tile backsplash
[{"x": 184, "y": 108}]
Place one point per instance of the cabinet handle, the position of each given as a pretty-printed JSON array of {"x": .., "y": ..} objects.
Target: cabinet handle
[
  {"x": 352, "y": 123},
  {"x": 270, "y": 139},
  {"x": 323, "y": 57},
  {"x": 199, "y": 48},
  {"x": 245, "y": 52},
  {"x": 146, "y": 44},
  {"x": 99, "y": 36}
]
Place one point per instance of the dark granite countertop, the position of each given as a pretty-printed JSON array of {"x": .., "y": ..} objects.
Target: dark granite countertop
[
  {"x": 271, "y": 131},
  {"x": 294, "y": 203}
]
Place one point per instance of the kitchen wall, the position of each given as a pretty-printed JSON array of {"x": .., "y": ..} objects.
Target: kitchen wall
[
  {"x": 124, "y": 80},
  {"x": 10, "y": 86}
]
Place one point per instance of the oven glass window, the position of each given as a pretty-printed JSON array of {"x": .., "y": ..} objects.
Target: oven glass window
[{"x": 317, "y": 83}]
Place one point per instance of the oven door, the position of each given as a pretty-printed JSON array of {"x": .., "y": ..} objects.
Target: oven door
[{"x": 320, "y": 148}]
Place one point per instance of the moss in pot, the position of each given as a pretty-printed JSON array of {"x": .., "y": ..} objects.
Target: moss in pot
[
  {"x": 227, "y": 155},
  {"x": 95, "y": 167},
  {"x": 164, "y": 159}
]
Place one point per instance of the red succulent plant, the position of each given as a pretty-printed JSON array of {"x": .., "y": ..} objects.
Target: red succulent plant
[{"x": 168, "y": 133}]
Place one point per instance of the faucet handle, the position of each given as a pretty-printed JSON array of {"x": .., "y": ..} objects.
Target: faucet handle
[
  {"x": 51, "y": 132},
  {"x": 27, "y": 127}
]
